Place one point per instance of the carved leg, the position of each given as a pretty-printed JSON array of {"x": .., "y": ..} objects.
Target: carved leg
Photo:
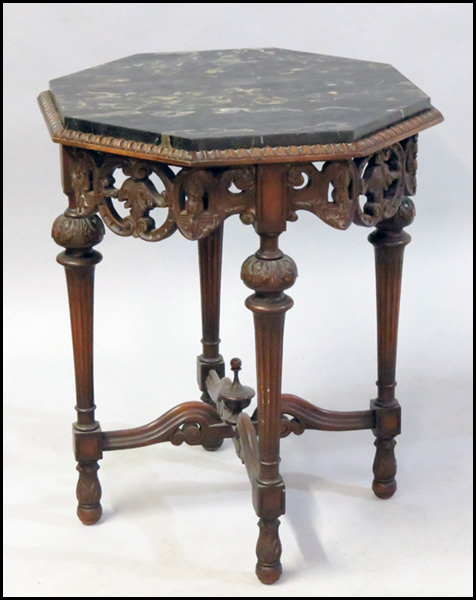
[
  {"x": 78, "y": 235},
  {"x": 269, "y": 273},
  {"x": 389, "y": 240},
  {"x": 210, "y": 256}
]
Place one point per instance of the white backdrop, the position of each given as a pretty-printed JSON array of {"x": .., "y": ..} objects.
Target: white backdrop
[{"x": 179, "y": 521}]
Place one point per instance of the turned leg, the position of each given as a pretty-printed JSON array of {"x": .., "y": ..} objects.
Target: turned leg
[
  {"x": 269, "y": 273},
  {"x": 210, "y": 257},
  {"x": 78, "y": 235},
  {"x": 389, "y": 240}
]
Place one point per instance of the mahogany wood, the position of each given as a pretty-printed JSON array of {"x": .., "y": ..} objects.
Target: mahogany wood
[
  {"x": 78, "y": 235},
  {"x": 210, "y": 259},
  {"x": 269, "y": 272},
  {"x": 190, "y": 422},
  {"x": 246, "y": 443},
  {"x": 196, "y": 202},
  {"x": 389, "y": 240},
  {"x": 307, "y": 416}
]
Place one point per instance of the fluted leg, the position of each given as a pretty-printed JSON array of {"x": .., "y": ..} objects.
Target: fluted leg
[
  {"x": 269, "y": 273},
  {"x": 78, "y": 235},
  {"x": 389, "y": 240},
  {"x": 210, "y": 258}
]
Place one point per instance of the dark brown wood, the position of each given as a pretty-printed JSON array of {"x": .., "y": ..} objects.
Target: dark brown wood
[
  {"x": 246, "y": 444},
  {"x": 196, "y": 201},
  {"x": 307, "y": 416},
  {"x": 78, "y": 235},
  {"x": 269, "y": 273},
  {"x": 88, "y": 493},
  {"x": 389, "y": 241},
  {"x": 210, "y": 259},
  {"x": 233, "y": 394},
  {"x": 195, "y": 423}
]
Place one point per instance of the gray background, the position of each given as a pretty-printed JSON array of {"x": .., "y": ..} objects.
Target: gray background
[{"x": 179, "y": 521}]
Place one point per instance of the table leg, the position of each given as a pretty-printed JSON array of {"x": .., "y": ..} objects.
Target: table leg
[
  {"x": 389, "y": 240},
  {"x": 78, "y": 235},
  {"x": 269, "y": 273},
  {"x": 210, "y": 258}
]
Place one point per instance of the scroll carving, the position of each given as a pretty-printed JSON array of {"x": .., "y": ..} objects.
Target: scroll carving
[
  {"x": 202, "y": 199},
  {"x": 333, "y": 193},
  {"x": 139, "y": 195},
  {"x": 309, "y": 190},
  {"x": 410, "y": 146},
  {"x": 190, "y": 422},
  {"x": 195, "y": 201}
]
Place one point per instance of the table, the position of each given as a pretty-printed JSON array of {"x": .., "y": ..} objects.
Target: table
[{"x": 247, "y": 128}]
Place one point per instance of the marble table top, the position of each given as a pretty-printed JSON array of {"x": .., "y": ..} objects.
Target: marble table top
[{"x": 248, "y": 98}]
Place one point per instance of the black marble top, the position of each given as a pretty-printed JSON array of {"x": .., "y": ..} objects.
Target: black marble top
[{"x": 236, "y": 98}]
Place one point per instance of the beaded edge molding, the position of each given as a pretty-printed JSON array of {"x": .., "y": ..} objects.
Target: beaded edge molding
[{"x": 164, "y": 153}]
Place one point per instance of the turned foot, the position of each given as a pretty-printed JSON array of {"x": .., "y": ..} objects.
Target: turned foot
[
  {"x": 88, "y": 493},
  {"x": 268, "y": 551},
  {"x": 384, "y": 484}
]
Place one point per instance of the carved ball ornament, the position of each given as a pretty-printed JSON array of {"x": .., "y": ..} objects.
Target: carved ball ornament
[
  {"x": 269, "y": 275},
  {"x": 77, "y": 233}
]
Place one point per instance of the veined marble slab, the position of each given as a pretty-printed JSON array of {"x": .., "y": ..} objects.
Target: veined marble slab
[{"x": 246, "y": 98}]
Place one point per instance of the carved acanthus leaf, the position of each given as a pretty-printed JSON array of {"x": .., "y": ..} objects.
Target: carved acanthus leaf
[
  {"x": 333, "y": 192},
  {"x": 197, "y": 200}
]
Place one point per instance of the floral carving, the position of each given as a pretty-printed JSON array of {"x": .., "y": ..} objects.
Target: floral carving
[
  {"x": 383, "y": 181},
  {"x": 333, "y": 192},
  {"x": 77, "y": 233},
  {"x": 309, "y": 190},
  {"x": 268, "y": 548},
  {"x": 78, "y": 167},
  {"x": 202, "y": 199},
  {"x": 402, "y": 218},
  {"x": 196, "y": 201},
  {"x": 88, "y": 493},
  {"x": 410, "y": 147},
  {"x": 269, "y": 275},
  {"x": 139, "y": 195}
]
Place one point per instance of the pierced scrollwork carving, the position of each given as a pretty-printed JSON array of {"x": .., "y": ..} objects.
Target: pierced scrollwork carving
[
  {"x": 197, "y": 201},
  {"x": 383, "y": 178},
  {"x": 202, "y": 199},
  {"x": 289, "y": 426},
  {"x": 383, "y": 182},
  {"x": 410, "y": 148},
  {"x": 139, "y": 195},
  {"x": 309, "y": 190},
  {"x": 78, "y": 175},
  {"x": 190, "y": 422}
]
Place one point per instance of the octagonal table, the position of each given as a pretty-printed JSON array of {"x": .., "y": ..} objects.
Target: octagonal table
[{"x": 247, "y": 127}]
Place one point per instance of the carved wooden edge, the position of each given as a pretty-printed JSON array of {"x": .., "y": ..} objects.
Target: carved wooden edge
[
  {"x": 304, "y": 153},
  {"x": 307, "y": 416},
  {"x": 197, "y": 201},
  {"x": 194, "y": 423}
]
